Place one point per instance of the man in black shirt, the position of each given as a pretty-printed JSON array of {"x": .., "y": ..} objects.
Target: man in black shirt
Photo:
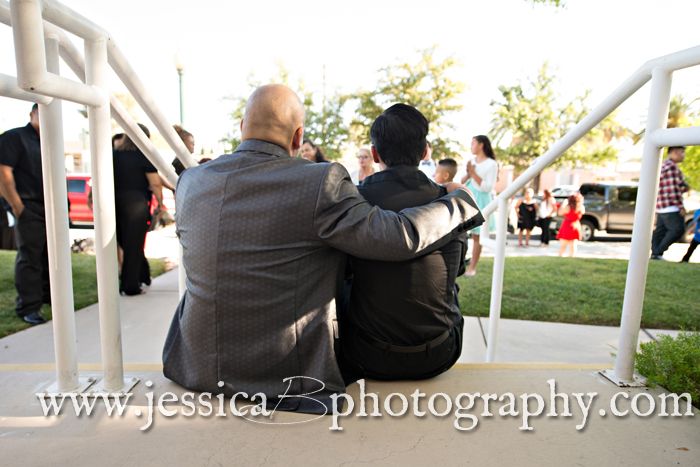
[
  {"x": 22, "y": 186},
  {"x": 403, "y": 320}
]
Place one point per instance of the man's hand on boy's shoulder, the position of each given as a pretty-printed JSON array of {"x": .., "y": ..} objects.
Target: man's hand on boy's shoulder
[{"x": 454, "y": 186}]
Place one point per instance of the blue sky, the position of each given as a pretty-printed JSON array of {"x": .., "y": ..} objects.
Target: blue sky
[{"x": 592, "y": 44}]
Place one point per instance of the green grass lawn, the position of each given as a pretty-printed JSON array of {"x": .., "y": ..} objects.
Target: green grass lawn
[
  {"x": 585, "y": 291},
  {"x": 84, "y": 288}
]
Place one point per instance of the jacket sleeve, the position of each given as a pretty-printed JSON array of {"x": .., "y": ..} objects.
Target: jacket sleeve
[{"x": 345, "y": 221}]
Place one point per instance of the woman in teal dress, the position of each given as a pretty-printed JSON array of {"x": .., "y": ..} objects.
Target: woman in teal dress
[{"x": 481, "y": 176}]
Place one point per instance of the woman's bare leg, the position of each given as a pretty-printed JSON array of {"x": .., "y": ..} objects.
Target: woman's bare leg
[
  {"x": 520, "y": 237},
  {"x": 476, "y": 255},
  {"x": 527, "y": 237},
  {"x": 562, "y": 246}
]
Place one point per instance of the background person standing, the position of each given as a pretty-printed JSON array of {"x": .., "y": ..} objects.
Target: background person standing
[
  {"x": 365, "y": 166},
  {"x": 570, "y": 230},
  {"x": 670, "y": 214},
  {"x": 696, "y": 237},
  {"x": 312, "y": 152},
  {"x": 545, "y": 211},
  {"x": 135, "y": 181},
  {"x": 527, "y": 216},
  {"x": 427, "y": 164},
  {"x": 481, "y": 177},
  {"x": 22, "y": 187}
]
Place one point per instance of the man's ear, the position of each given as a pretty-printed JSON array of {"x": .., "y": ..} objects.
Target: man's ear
[
  {"x": 424, "y": 157},
  {"x": 298, "y": 138},
  {"x": 241, "y": 126},
  {"x": 375, "y": 155}
]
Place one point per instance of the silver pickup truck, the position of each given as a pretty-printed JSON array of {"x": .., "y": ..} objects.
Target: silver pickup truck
[{"x": 610, "y": 207}]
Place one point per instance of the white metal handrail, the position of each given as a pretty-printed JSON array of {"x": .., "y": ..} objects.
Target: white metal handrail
[
  {"x": 659, "y": 71},
  {"x": 36, "y": 50}
]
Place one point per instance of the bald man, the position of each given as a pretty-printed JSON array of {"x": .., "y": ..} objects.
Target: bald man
[{"x": 265, "y": 237}]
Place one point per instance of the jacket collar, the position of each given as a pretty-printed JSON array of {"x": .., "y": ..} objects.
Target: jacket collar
[
  {"x": 405, "y": 173},
  {"x": 256, "y": 145}
]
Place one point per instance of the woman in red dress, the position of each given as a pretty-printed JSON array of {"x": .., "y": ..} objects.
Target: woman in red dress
[{"x": 570, "y": 230}]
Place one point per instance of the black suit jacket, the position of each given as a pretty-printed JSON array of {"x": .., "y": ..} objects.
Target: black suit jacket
[{"x": 412, "y": 302}]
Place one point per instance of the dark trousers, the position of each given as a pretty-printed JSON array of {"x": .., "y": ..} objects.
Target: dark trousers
[
  {"x": 669, "y": 229},
  {"x": 32, "y": 260},
  {"x": 132, "y": 225},
  {"x": 693, "y": 245},
  {"x": 544, "y": 225},
  {"x": 361, "y": 357}
]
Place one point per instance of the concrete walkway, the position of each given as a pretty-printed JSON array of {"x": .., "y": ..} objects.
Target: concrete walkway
[
  {"x": 29, "y": 439},
  {"x": 605, "y": 246}
]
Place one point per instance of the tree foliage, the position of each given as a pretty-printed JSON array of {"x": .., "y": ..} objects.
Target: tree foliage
[
  {"x": 529, "y": 118},
  {"x": 691, "y": 167},
  {"x": 555, "y": 3},
  {"x": 324, "y": 123},
  {"x": 331, "y": 124},
  {"x": 425, "y": 84},
  {"x": 681, "y": 114}
]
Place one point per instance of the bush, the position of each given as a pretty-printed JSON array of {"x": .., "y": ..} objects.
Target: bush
[{"x": 673, "y": 364}]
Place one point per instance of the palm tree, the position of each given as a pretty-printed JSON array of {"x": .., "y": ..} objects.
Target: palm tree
[{"x": 679, "y": 115}]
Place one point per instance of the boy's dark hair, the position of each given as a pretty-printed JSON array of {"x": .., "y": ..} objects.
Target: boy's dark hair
[
  {"x": 450, "y": 165},
  {"x": 675, "y": 148},
  {"x": 399, "y": 134}
]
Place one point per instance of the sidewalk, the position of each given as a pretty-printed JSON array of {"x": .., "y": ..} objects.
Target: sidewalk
[{"x": 603, "y": 247}]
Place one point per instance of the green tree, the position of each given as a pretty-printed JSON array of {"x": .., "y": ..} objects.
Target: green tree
[
  {"x": 426, "y": 85},
  {"x": 681, "y": 114},
  {"x": 555, "y": 3},
  {"x": 233, "y": 138},
  {"x": 691, "y": 167},
  {"x": 529, "y": 118},
  {"x": 324, "y": 123}
]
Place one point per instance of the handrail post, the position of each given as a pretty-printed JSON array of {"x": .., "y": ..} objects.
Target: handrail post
[
  {"x": 57, "y": 238},
  {"x": 105, "y": 222},
  {"x": 641, "y": 236},
  {"x": 499, "y": 264}
]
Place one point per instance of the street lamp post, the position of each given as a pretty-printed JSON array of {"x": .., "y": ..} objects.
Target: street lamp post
[{"x": 180, "y": 67}]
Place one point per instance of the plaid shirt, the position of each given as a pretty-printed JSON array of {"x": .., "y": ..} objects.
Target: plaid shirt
[{"x": 671, "y": 186}]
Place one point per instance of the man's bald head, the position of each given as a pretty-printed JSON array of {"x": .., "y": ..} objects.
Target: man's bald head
[{"x": 274, "y": 114}]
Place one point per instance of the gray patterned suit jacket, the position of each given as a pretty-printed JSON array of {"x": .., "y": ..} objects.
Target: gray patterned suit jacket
[{"x": 264, "y": 239}]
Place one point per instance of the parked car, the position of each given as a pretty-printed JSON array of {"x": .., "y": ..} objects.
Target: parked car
[
  {"x": 610, "y": 208},
  {"x": 79, "y": 188},
  {"x": 562, "y": 192}
]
